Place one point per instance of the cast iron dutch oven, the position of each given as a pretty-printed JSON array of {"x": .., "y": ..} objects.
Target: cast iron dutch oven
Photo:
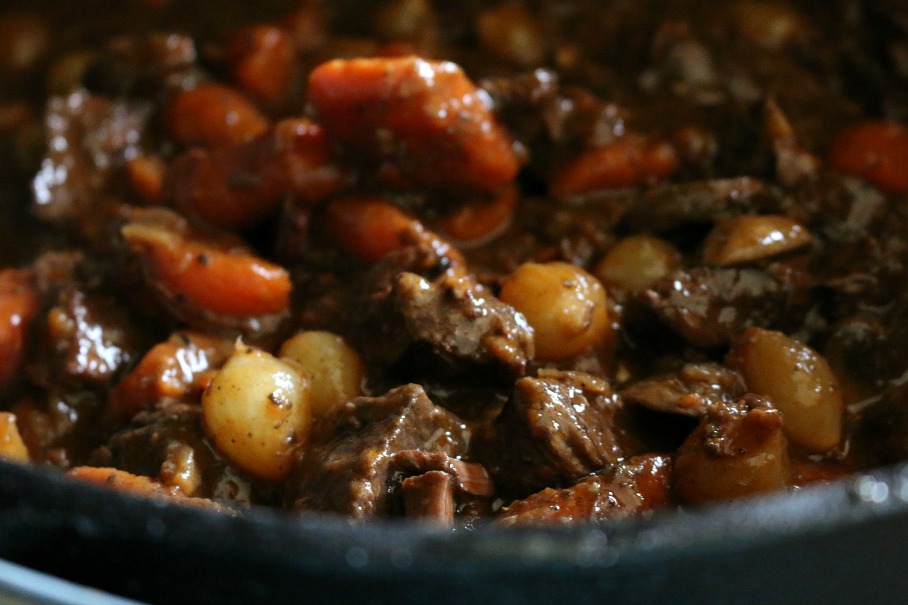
[{"x": 838, "y": 543}]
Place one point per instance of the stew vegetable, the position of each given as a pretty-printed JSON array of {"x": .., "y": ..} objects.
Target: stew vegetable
[{"x": 513, "y": 262}]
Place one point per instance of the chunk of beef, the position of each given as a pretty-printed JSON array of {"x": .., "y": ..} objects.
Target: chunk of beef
[
  {"x": 841, "y": 208},
  {"x": 466, "y": 491},
  {"x": 469, "y": 477},
  {"x": 708, "y": 306},
  {"x": 89, "y": 138},
  {"x": 88, "y": 340},
  {"x": 555, "y": 429},
  {"x": 449, "y": 325},
  {"x": 671, "y": 207},
  {"x": 528, "y": 104},
  {"x": 169, "y": 445},
  {"x": 59, "y": 427},
  {"x": 630, "y": 487},
  {"x": 429, "y": 496},
  {"x": 346, "y": 467},
  {"x": 693, "y": 391},
  {"x": 143, "y": 65},
  {"x": 880, "y": 430}
]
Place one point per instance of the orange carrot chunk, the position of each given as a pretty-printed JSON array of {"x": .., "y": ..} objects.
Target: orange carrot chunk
[
  {"x": 876, "y": 151},
  {"x": 238, "y": 187},
  {"x": 369, "y": 228},
  {"x": 418, "y": 122},
  {"x": 263, "y": 62},
  {"x": 220, "y": 277},
  {"x": 212, "y": 115},
  {"x": 19, "y": 302},
  {"x": 481, "y": 221},
  {"x": 631, "y": 161}
]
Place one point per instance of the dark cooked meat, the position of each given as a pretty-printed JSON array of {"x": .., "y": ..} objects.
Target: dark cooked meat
[
  {"x": 345, "y": 468},
  {"x": 429, "y": 496},
  {"x": 169, "y": 445},
  {"x": 556, "y": 428},
  {"x": 707, "y": 306},
  {"x": 629, "y": 487},
  {"x": 880, "y": 428},
  {"x": 449, "y": 325},
  {"x": 88, "y": 339},
  {"x": 675, "y": 206},
  {"x": 469, "y": 477},
  {"x": 693, "y": 390},
  {"x": 143, "y": 65},
  {"x": 89, "y": 138}
]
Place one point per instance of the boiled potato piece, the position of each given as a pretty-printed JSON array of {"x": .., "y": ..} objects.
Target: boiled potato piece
[
  {"x": 799, "y": 382},
  {"x": 11, "y": 445},
  {"x": 257, "y": 408},
  {"x": 737, "y": 450},
  {"x": 745, "y": 239},
  {"x": 637, "y": 261},
  {"x": 565, "y": 305},
  {"x": 334, "y": 367}
]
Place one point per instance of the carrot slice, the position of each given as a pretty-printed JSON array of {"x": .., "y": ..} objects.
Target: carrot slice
[
  {"x": 419, "y": 122},
  {"x": 217, "y": 277},
  {"x": 137, "y": 485},
  {"x": 238, "y": 187},
  {"x": 630, "y": 161},
  {"x": 479, "y": 222},
  {"x": 369, "y": 228},
  {"x": 19, "y": 302},
  {"x": 876, "y": 151},
  {"x": 264, "y": 63},
  {"x": 213, "y": 115}
]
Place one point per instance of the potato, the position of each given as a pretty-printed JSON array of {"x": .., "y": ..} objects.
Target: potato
[
  {"x": 509, "y": 32},
  {"x": 745, "y": 239},
  {"x": 736, "y": 451},
  {"x": 335, "y": 369},
  {"x": 256, "y": 409},
  {"x": 565, "y": 305},
  {"x": 799, "y": 382},
  {"x": 11, "y": 445},
  {"x": 637, "y": 261}
]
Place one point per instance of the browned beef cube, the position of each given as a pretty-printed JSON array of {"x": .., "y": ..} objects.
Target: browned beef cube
[
  {"x": 639, "y": 484},
  {"x": 692, "y": 391},
  {"x": 88, "y": 340},
  {"x": 169, "y": 445},
  {"x": 708, "y": 306},
  {"x": 451, "y": 325},
  {"x": 143, "y": 65},
  {"x": 429, "y": 496},
  {"x": 345, "y": 468},
  {"x": 556, "y": 428},
  {"x": 89, "y": 138}
]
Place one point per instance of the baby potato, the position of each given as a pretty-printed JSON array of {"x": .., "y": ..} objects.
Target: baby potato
[
  {"x": 745, "y": 239},
  {"x": 737, "y": 450},
  {"x": 256, "y": 409},
  {"x": 565, "y": 305},
  {"x": 799, "y": 382},
  {"x": 11, "y": 445},
  {"x": 334, "y": 367},
  {"x": 637, "y": 261}
]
